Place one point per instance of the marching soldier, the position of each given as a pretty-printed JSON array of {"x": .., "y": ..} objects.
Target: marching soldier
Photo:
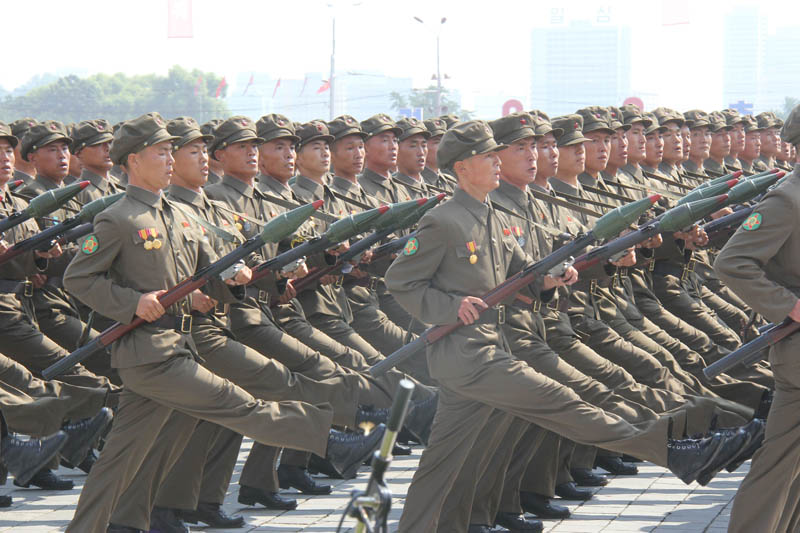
[
  {"x": 91, "y": 143},
  {"x": 412, "y": 152},
  {"x": 701, "y": 135},
  {"x": 720, "y": 147},
  {"x": 24, "y": 169},
  {"x": 736, "y": 123},
  {"x": 770, "y": 140},
  {"x": 752, "y": 144},
  {"x": 436, "y": 127}
]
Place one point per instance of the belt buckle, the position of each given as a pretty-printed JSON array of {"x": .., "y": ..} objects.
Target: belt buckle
[
  {"x": 536, "y": 306},
  {"x": 651, "y": 265},
  {"x": 553, "y": 304},
  {"x": 593, "y": 288},
  {"x": 501, "y": 315},
  {"x": 689, "y": 268},
  {"x": 186, "y": 323},
  {"x": 338, "y": 283},
  {"x": 27, "y": 289},
  {"x": 220, "y": 309},
  {"x": 373, "y": 284},
  {"x": 263, "y": 296}
]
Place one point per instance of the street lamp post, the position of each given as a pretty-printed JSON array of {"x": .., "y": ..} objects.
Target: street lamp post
[{"x": 438, "y": 69}]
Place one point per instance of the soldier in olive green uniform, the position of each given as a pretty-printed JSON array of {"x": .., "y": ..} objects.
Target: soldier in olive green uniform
[
  {"x": 91, "y": 143},
  {"x": 24, "y": 169},
  {"x": 770, "y": 126},
  {"x": 760, "y": 264},
  {"x": 431, "y": 174},
  {"x": 752, "y": 144},
  {"x": 412, "y": 150},
  {"x": 736, "y": 123},
  {"x": 215, "y": 169},
  {"x": 140, "y": 246}
]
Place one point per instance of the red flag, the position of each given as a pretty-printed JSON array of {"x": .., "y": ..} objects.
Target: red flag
[
  {"x": 249, "y": 83},
  {"x": 674, "y": 12},
  {"x": 275, "y": 90},
  {"x": 303, "y": 89},
  {"x": 179, "y": 19},
  {"x": 324, "y": 87},
  {"x": 198, "y": 84},
  {"x": 222, "y": 85}
]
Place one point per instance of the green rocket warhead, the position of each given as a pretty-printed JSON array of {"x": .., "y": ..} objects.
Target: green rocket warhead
[
  {"x": 715, "y": 181},
  {"x": 415, "y": 215},
  {"x": 49, "y": 201},
  {"x": 747, "y": 190},
  {"x": 684, "y": 216},
  {"x": 708, "y": 192},
  {"x": 352, "y": 225},
  {"x": 287, "y": 223},
  {"x": 397, "y": 212},
  {"x": 95, "y": 207},
  {"x": 615, "y": 221}
]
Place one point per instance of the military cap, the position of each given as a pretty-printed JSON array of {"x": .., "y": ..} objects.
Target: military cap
[
  {"x": 379, "y": 123},
  {"x": 275, "y": 126},
  {"x": 616, "y": 118},
  {"x": 412, "y": 126},
  {"x": 696, "y": 118},
  {"x": 654, "y": 124},
  {"x": 595, "y": 118},
  {"x": 465, "y": 140},
  {"x": 42, "y": 134},
  {"x": 631, "y": 114},
  {"x": 187, "y": 130},
  {"x": 768, "y": 119},
  {"x": 90, "y": 133},
  {"x": 750, "y": 124},
  {"x": 665, "y": 114},
  {"x": 117, "y": 126},
  {"x": 209, "y": 127},
  {"x": 790, "y": 132},
  {"x": 450, "y": 119},
  {"x": 542, "y": 123},
  {"x": 436, "y": 126},
  {"x": 21, "y": 126},
  {"x": 233, "y": 130},
  {"x": 313, "y": 131},
  {"x": 137, "y": 134},
  {"x": 513, "y": 127},
  {"x": 717, "y": 121},
  {"x": 572, "y": 129},
  {"x": 732, "y": 117},
  {"x": 5, "y": 133},
  {"x": 343, "y": 126}
]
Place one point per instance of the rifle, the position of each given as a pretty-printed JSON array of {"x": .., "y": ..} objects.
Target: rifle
[
  {"x": 609, "y": 225},
  {"x": 44, "y": 240},
  {"x": 276, "y": 229},
  {"x": 718, "y": 227},
  {"x": 45, "y": 203},
  {"x": 753, "y": 351}
]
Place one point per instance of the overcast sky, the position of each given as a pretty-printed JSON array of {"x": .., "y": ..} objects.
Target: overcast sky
[{"x": 485, "y": 46}]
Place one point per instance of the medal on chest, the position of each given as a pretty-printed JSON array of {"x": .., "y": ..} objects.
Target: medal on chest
[
  {"x": 150, "y": 238},
  {"x": 473, "y": 258}
]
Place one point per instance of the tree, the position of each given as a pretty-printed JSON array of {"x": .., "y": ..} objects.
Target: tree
[
  {"x": 118, "y": 97},
  {"x": 426, "y": 99},
  {"x": 789, "y": 103}
]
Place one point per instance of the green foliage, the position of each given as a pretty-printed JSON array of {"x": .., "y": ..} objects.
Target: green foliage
[
  {"x": 118, "y": 97},
  {"x": 789, "y": 103},
  {"x": 426, "y": 99}
]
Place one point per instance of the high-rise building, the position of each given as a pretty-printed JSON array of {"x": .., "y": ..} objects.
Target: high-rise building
[
  {"x": 743, "y": 56},
  {"x": 781, "y": 68}
]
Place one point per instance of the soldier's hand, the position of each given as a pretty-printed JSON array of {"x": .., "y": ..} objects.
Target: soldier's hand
[
  {"x": 366, "y": 257},
  {"x": 569, "y": 277},
  {"x": 653, "y": 242},
  {"x": 795, "y": 313},
  {"x": 470, "y": 308},
  {"x": 299, "y": 272},
  {"x": 242, "y": 277},
  {"x": 342, "y": 248},
  {"x": 721, "y": 213},
  {"x": 202, "y": 302},
  {"x": 149, "y": 307},
  {"x": 52, "y": 253},
  {"x": 288, "y": 293},
  {"x": 627, "y": 260},
  {"x": 38, "y": 280},
  {"x": 4, "y": 246}
]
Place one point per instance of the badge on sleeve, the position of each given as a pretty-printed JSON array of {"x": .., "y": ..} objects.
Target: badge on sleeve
[
  {"x": 752, "y": 222},
  {"x": 411, "y": 246},
  {"x": 90, "y": 244}
]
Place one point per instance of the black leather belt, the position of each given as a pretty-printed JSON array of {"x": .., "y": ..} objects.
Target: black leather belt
[
  {"x": 665, "y": 268},
  {"x": 494, "y": 315},
  {"x": 260, "y": 295},
  {"x": 181, "y": 324},
  {"x": 55, "y": 282},
  {"x": 10, "y": 286}
]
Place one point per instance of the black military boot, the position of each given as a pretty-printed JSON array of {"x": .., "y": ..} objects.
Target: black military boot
[
  {"x": 688, "y": 458},
  {"x": 299, "y": 478},
  {"x": 270, "y": 500},
  {"x": 83, "y": 435},
  {"x": 765, "y": 405},
  {"x": 739, "y": 440},
  {"x": 757, "y": 428},
  {"x": 570, "y": 491},
  {"x": 586, "y": 478},
  {"x": 419, "y": 419},
  {"x": 399, "y": 449},
  {"x": 5, "y": 501},
  {"x": 320, "y": 465},
  {"x": 166, "y": 520},
  {"x": 518, "y": 523},
  {"x": 346, "y": 451},
  {"x": 212, "y": 515},
  {"x": 371, "y": 414},
  {"x": 615, "y": 465},
  {"x": 46, "y": 479},
  {"x": 480, "y": 528},
  {"x": 542, "y": 506},
  {"x": 24, "y": 458},
  {"x": 88, "y": 462}
]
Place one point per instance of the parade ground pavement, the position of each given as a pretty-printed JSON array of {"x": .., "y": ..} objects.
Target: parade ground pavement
[{"x": 654, "y": 500}]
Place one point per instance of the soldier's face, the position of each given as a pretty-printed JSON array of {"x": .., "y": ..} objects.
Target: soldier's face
[
  {"x": 720, "y": 144},
  {"x": 673, "y": 144},
  {"x": 151, "y": 168},
  {"x": 276, "y": 158},
  {"x": 97, "y": 158},
  {"x": 411, "y": 155},
  {"x": 314, "y": 159},
  {"x": 770, "y": 139},
  {"x": 737, "y": 138},
  {"x": 752, "y": 146},
  {"x": 786, "y": 151},
  {"x": 701, "y": 143},
  {"x": 381, "y": 150},
  {"x": 6, "y": 161},
  {"x": 191, "y": 164},
  {"x": 240, "y": 160},
  {"x": 52, "y": 160},
  {"x": 348, "y": 156},
  {"x": 518, "y": 162},
  {"x": 597, "y": 150},
  {"x": 433, "y": 145},
  {"x": 686, "y": 138},
  {"x": 571, "y": 159},
  {"x": 637, "y": 144},
  {"x": 618, "y": 155},
  {"x": 547, "y": 156},
  {"x": 479, "y": 174},
  {"x": 654, "y": 149}
]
